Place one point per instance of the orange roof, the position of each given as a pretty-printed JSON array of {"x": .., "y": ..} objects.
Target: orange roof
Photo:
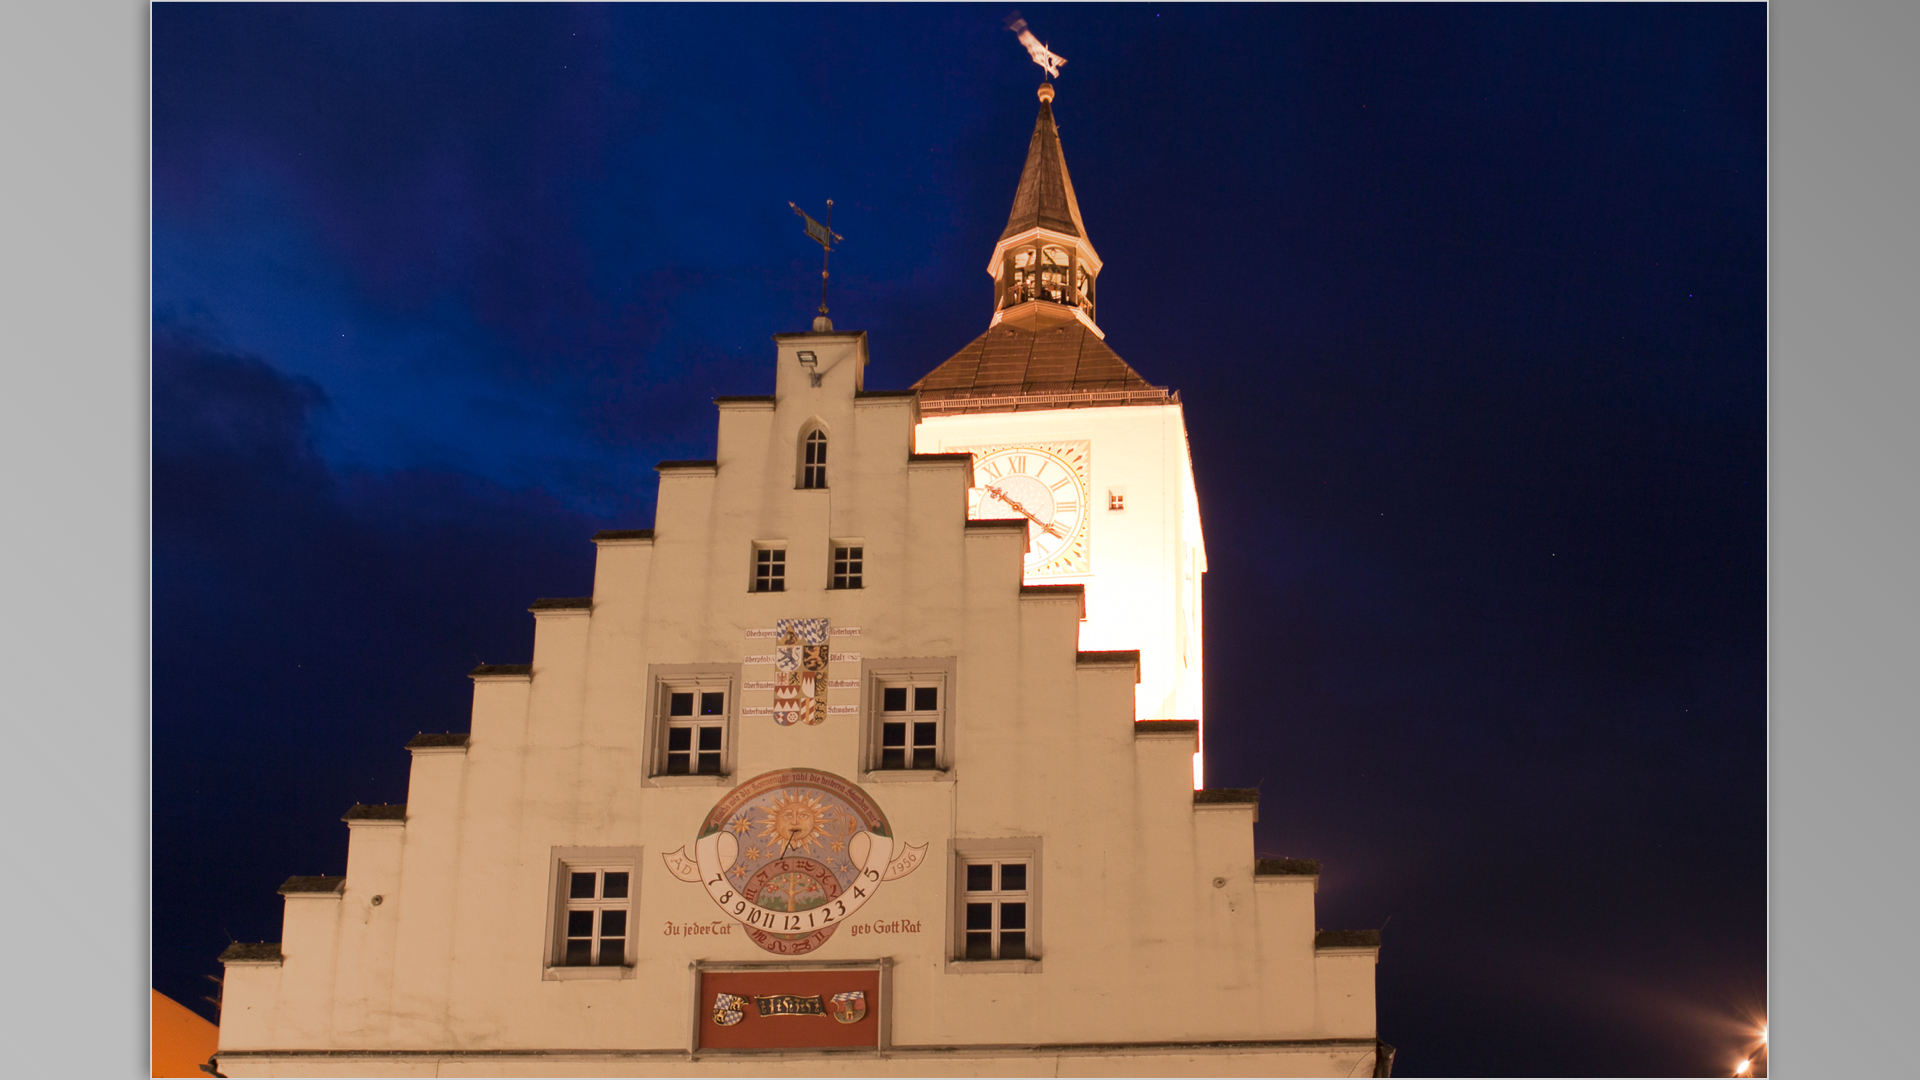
[{"x": 182, "y": 1039}]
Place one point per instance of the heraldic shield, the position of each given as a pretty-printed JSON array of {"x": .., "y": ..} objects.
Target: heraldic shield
[
  {"x": 848, "y": 1007},
  {"x": 729, "y": 1009},
  {"x": 800, "y": 671}
]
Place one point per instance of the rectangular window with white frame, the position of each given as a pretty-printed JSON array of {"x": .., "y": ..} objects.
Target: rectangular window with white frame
[
  {"x": 909, "y": 707},
  {"x": 910, "y": 724},
  {"x": 594, "y": 893},
  {"x": 769, "y": 568},
  {"x": 996, "y": 901},
  {"x": 693, "y": 720},
  {"x": 849, "y": 565}
]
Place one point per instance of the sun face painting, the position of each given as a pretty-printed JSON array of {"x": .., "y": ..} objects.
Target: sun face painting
[
  {"x": 792, "y": 854},
  {"x": 799, "y": 820}
]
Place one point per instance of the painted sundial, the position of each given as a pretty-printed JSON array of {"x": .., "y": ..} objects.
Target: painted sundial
[{"x": 792, "y": 854}]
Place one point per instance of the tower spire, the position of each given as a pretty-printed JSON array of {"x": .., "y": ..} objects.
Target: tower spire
[
  {"x": 1045, "y": 195},
  {"x": 1042, "y": 349},
  {"x": 1043, "y": 266}
]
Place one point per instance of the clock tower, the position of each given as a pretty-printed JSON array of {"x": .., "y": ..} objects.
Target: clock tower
[{"x": 1067, "y": 435}]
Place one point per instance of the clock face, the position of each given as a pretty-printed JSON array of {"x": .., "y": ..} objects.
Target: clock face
[{"x": 1046, "y": 483}]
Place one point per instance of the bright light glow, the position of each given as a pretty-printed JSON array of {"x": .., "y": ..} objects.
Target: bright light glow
[
  {"x": 1742, "y": 1067},
  {"x": 1763, "y": 1035},
  {"x": 1146, "y": 564}
]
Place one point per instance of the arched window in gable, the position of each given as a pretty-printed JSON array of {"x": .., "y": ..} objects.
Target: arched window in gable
[{"x": 813, "y": 459}]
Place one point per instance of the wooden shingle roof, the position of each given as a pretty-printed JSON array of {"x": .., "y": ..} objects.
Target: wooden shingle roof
[{"x": 1010, "y": 369}]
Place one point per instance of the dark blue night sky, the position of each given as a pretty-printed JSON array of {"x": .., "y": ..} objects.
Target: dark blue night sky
[{"x": 1466, "y": 305}]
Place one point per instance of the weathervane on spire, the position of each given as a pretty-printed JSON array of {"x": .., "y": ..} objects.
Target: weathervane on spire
[
  {"x": 1048, "y": 60},
  {"x": 825, "y": 237}
]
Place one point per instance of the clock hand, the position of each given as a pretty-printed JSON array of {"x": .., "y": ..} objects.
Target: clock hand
[
  {"x": 1015, "y": 503},
  {"x": 1045, "y": 526},
  {"x": 1011, "y": 501}
]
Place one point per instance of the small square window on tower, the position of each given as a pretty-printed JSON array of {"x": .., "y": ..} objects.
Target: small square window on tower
[
  {"x": 849, "y": 564},
  {"x": 1116, "y": 498},
  {"x": 769, "y": 568}
]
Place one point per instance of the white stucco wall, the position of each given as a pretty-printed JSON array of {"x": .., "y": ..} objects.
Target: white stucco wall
[{"x": 1153, "y": 931}]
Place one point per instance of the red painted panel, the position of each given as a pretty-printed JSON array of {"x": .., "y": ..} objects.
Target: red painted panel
[{"x": 784, "y": 1030}]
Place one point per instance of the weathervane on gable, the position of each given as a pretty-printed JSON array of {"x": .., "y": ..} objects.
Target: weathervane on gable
[
  {"x": 825, "y": 237},
  {"x": 1048, "y": 60}
]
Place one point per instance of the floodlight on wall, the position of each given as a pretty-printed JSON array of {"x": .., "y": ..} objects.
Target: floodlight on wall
[{"x": 812, "y": 363}]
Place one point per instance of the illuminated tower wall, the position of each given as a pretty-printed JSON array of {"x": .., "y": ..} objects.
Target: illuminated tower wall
[{"x": 1048, "y": 409}]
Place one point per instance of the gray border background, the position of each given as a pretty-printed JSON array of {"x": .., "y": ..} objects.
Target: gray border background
[
  {"x": 1844, "y": 602},
  {"x": 75, "y": 313},
  {"x": 1844, "y": 611}
]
